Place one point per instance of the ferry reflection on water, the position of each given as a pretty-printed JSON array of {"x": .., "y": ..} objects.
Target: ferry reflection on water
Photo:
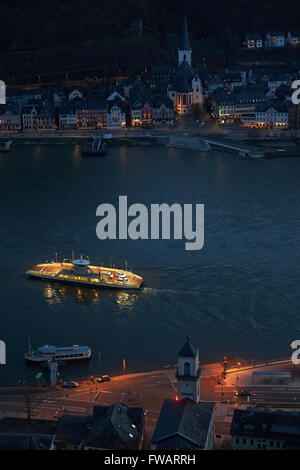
[{"x": 56, "y": 294}]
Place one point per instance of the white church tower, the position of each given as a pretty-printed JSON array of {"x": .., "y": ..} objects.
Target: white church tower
[
  {"x": 197, "y": 90},
  {"x": 185, "y": 50},
  {"x": 188, "y": 372}
]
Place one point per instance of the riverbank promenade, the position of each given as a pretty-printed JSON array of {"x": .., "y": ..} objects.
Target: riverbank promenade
[{"x": 149, "y": 389}]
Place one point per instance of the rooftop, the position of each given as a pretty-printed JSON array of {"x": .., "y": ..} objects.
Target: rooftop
[
  {"x": 266, "y": 424},
  {"x": 116, "y": 427},
  {"x": 11, "y": 441},
  {"x": 184, "y": 420},
  {"x": 187, "y": 350}
]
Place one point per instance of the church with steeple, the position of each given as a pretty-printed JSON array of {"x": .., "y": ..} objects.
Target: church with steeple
[
  {"x": 185, "y": 89},
  {"x": 186, "y": 422}
]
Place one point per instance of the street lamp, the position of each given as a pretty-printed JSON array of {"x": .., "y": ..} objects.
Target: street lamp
[{"x": 225, "y": 363}]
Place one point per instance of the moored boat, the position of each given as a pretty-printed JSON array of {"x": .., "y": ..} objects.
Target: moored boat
[
  {"x": 49, "y": 352},
  {"x": 96, "y": 147},
  {"x": 6, "y": 147}
]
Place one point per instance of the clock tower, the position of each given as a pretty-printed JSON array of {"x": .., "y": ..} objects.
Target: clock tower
[{"x": 188, "y": 372}]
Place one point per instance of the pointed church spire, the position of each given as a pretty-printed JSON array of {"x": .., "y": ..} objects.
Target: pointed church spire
[
  {"x": 185, "y": 42},
  {"x": 185, "y": 50}
]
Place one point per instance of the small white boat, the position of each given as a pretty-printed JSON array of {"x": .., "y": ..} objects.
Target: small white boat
[{"x": 67, "y": 353}]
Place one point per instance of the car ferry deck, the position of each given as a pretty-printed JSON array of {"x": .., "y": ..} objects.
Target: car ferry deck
[{"x": 81, "y": 272}]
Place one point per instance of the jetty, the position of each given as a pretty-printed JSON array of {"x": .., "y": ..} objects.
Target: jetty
[{"x": 242, "y": 149}]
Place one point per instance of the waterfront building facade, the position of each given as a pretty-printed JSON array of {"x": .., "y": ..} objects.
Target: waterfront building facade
[
  {"x": 162, "y": 110},
  {"x": 115, "y": 113},
  {"x": 46, "y": 117},
  {"x": 10, "y": 117},
  {"x": 67, "y": 117},
  {"x": 90, "y": 114},
  {"x": 29, "y": 117},
  {"x": 274, "y": 114}
]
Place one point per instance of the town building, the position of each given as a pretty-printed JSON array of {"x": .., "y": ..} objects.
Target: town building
[
  {"x": 115, "y": 115},
  {"x": 90, "y": 114},
  {"x": 184, "y": 425},
  {"x": 254, "y": 41},
  {"x": 115, "y": 427},
  {"x": 75, "y": 93},
  {"x": 229, "y": 107},
  {"x": 247, "y": 99},
  {"x": 293, "y": 38},
  {"x": 158, "y": 77},
  {"x": 136, "y": 113},
  {"x": 23, "y": 96},
  {"x": 21, "y": 434},
  {"x": 162, "y": 110},
  {"x": 147, "y": 112},
  {"x": 67, "y": 116},
  {"x": 10, "y": 117},
  {"x": 29, "y": 117},
  {"x": 223, "y": 107},
  {"x": 46, "y": 119},
  {"x": 268, "y": 115},
  {"x": 265, "y": 430},
  {"x": 274, "y": 114},
  {"x": 225, "y": 81},
  {"x": 141, "y": 111},
  {"x": 71, "y": 431},
  {"x": 184, "y": 422},
  {"x": 294, "y": 116},
  {"x": 284, "y": 92},
  {"x": 275, "y": 39},
  {"x": 266, "y": 377},
  {"x": 277, "y": 79},
  {"x": 26, "y": 441}
]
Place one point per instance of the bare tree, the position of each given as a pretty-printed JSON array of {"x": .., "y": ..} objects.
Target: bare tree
[{"x": 32, "y": 399}]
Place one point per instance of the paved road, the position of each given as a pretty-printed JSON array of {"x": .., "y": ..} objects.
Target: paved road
[
  {"x": 259, "y": 394},
  {"x": 146, "y": 390}
]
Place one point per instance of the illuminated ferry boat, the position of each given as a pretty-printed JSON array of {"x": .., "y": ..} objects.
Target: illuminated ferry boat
[
  {"x": 80, "y": 271},
  {"x": 68, "y": 353}
]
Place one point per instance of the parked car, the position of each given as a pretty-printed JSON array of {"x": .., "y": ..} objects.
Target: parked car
[
  {"x": 243, "y": 393},
  {"x": 103, "y": 378},
  {"x": 70, "y": 384}
]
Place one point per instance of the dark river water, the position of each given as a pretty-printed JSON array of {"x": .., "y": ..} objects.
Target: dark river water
[{"x": 239, "y": 295}]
